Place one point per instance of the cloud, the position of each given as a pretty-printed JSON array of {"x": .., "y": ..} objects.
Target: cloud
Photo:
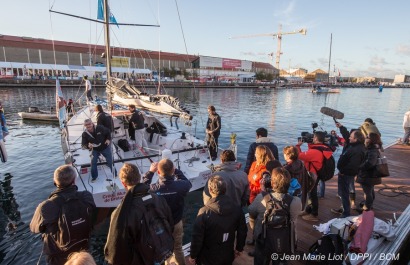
[
  {"x": 378, "y": 61},
  {"x": 403, "y": 49}
]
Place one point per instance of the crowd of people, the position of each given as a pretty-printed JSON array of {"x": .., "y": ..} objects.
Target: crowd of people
[{"x": 265, "y": 187}]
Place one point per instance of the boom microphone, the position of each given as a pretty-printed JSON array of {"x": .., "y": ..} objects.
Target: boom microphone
[{"x": 335, "y": 114}]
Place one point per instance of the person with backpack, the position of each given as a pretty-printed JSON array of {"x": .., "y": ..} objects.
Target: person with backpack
[
  {"x": 314, "y": 159},
  {"x": 348, "y": 165},
  {"x": 141, "y": 226},
  {"x": 104, "y": 119},
  {"x": 297, "y": 170},
  {"x": 279, "y": 226},
  {"x": 174, "y": 187},
  {"x": 65, "y": 218},
  {"x": 213, "y": 234}
]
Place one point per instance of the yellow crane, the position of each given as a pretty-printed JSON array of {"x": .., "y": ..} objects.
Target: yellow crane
[{"x": 273, "y": 35}]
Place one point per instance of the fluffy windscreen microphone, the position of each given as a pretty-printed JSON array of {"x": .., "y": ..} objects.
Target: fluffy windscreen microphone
[{"x": 335, "y": 114}]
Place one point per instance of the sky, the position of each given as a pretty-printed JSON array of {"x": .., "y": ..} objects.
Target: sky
[{"x": 370, "y": 38}]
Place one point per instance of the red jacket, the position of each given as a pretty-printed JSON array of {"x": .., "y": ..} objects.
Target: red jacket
[
  {"x": 255, "y": 176},
  {"x": 313, "y": 158}
]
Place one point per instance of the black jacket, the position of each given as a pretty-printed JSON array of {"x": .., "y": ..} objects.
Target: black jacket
[
  {"x": 367, "y": 172},
  {"x": 105, "y": 120},
  {"x": 137, "y": 120},
  {"x": 213, "y": 235},
  {"x": 45, "y": 218},
  {"x": 351, "y": 159},
  {"x": 123, "y": 236},
  {"x": 214, "y": 125},
  {"x": 98, "y": 137},
  {"x": 173, "y": 188}
]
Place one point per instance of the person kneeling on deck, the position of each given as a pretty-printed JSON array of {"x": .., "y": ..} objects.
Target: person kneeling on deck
[
  {"x": 65, "y": 203},
  {"x": 213, "y": 235},
  {"x": 173, "y": 186},
  {"x": 130, "y": 241},
  {"x": 97, "y": 139},
  {"x": 137, "y": 122}
]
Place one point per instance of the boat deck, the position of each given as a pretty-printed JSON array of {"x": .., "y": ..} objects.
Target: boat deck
[{"x": 388, "y": 201}]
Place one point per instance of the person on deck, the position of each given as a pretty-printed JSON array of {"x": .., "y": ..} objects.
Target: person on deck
[
  {"x": 263, "y": 155},
  {"x": 261, "y": 139},
  {"x": 367, "y": 170},
  {"x": 348, "y": 166},
  {"x": 174, "y": 187},
  {"x": 237, "y": 185},
  {"x": 103, "y": 118},
  {"x": 70, "y": 106},
  {"x": 213, "y": 130},
  {"x": 97, "y": 139},
  {"x": 88, "y": 88},
  {"x": 406, "y": 127},
  {"x": 45, "y": 218},
  {"x": 137, "y": 122},
  {"x": 218, "y": 225},
  {"x": 123, "y": 241},
  {"x": 369, "y": 126},
  {"x": 313, "y": 159}
]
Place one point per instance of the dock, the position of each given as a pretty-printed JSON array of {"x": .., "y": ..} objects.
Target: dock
[{"x": 392, "y": 197}]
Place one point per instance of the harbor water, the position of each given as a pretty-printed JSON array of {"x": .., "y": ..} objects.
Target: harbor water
[{"x": 34, "y": 149}]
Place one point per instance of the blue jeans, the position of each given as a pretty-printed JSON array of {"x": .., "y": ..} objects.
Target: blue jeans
[
  {"x": 94, "y": 159},
  {"x": 322, "y": 187},
  {"x": 406, "y": 135},
  {"x": 344, "y": 185}
]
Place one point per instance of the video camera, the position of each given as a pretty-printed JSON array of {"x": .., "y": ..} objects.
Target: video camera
[{"x": 307, "y": 137}]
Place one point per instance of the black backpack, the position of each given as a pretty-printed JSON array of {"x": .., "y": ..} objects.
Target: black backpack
[
  {"x": 327, "y": 171},
  {"x": 278, "y": 232},
  {"x": 74, "y": 223},
  {"x": 124, "y": 145},
  {"x": 328, "y": 246},
  {"x": 155, "y": 243}
]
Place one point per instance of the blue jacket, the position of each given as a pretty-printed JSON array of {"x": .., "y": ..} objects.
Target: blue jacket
[{"x": 173, "y": 189}]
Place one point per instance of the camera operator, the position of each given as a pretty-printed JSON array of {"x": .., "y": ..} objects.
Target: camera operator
[{"x": 313, "y": 159}]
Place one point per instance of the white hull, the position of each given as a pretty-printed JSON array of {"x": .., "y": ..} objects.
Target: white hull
[
  {"x": 325, "y": 90},
  {"x": 108, "y": 190}
]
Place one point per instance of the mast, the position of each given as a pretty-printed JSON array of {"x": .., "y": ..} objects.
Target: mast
[
  {"x": 108, "y": 53},
  {"x": 330, "y": 57}
]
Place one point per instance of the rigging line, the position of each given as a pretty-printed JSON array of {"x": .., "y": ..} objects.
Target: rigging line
[
  {"x": 52, "y": 40},
  {"x": 102, "y": 22}
]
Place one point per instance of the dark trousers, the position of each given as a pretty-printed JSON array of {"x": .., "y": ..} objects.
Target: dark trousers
[
  {"x": 314, "y": 199},
  {"x": 263, "y": 258},
  {"x": 343, "y": 188},
  {"x": 89, "y": 97},
  {"x": 213, "y": 145},
  {"x": 368, "y": 190}
]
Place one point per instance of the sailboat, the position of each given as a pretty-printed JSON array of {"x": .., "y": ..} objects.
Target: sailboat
[
  {"x": 189, "y": 153},
  {"x": 329, "y": 88}
]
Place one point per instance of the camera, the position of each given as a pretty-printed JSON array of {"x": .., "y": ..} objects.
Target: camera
[{"x": 307, "y": 137}]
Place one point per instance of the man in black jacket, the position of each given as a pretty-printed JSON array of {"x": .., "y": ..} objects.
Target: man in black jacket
[
  {"x": 97, "y": 139},
  {"x": 261, "y": 139},
  {"x": 45, "y": 219},
  {"x": 137, "y": 123},
  {"x": 213, "y": 130},
  {"x": 124, "y": 246},
  {"x": 213, "y": 235},
  {"x": 348, "y": 165},
  {"x": 104, "y": 118}
]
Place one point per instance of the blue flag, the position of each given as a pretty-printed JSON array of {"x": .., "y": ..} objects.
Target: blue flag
[{"x": 100, "y": 13}]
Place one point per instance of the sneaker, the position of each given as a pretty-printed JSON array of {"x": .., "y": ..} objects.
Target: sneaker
[
  {"x": 213, "y": 158},
  {"x": 310, "y": 217},
  {"x": 337, "y": 211},
  {"x": 93, "y": 180}
]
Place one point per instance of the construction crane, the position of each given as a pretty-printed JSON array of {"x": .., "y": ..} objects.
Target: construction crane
[{"x": 277, "y": 35}]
